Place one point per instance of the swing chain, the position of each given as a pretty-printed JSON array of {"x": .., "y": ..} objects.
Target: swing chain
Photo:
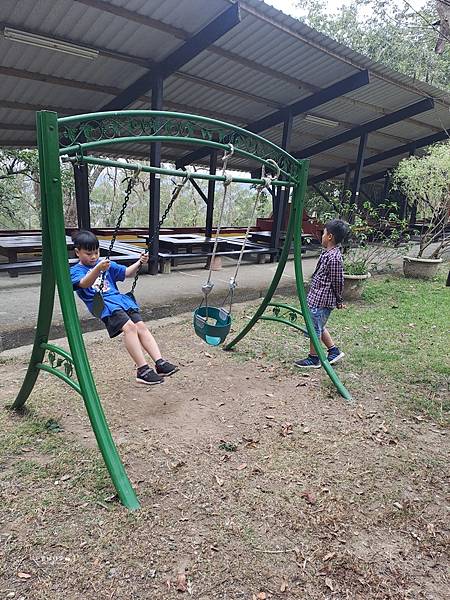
[
  {"x": 175, "y": 193},
  {"x": 132, "y": 181},
  {"x": 228, "y": 180},
  {"x": 266, "y": 183}
]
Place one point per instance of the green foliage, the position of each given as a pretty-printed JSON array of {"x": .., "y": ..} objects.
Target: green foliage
[
  {"x": 388, "y": 32},
  {"x": 189, "y": 210},
  {"x": 377, "y": 234},
  {"x": 426, "y": 181},
  {"x": 20, "y": 190}
]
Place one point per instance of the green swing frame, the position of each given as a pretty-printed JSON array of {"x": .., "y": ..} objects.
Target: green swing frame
[{"x": 73, "y": 136}]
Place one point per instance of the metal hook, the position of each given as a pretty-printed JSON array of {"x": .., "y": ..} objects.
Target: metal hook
[
  {"x": 79, "y": 154},
  {"x": 229, "y": 154},
  {"x": 274, "y": 164},
  {"x": 137, "y": 172}
]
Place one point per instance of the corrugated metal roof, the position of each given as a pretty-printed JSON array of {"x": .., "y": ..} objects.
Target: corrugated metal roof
[{"x": 267, "y": 61}]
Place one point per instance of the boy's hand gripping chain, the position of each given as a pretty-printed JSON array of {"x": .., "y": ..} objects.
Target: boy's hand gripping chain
[{"x": 98, "y": 303}]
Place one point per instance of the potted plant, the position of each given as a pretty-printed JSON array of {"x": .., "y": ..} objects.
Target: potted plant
[
  {"x": 425, "y": 182},
  {"x": 377, "y": 237}
]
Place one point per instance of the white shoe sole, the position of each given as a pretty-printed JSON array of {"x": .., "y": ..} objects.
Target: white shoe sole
[
  {"x": 337, "y": 358},
  {"x": 149, "y": 382}
]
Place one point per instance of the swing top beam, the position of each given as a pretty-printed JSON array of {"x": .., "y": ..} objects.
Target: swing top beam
[{"x": 91, "y": 131}]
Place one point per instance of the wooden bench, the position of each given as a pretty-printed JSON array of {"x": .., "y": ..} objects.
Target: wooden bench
[
  {"x": 167, "y": 260},
  {"x": 36, "y": 265}
]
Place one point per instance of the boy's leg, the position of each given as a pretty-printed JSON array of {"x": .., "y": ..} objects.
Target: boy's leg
[
  {"x": 148, "y": 342},
  {"x": 326, "y": 339},
  {"x": 133, "y": 344},
  {"x": 163, "y": 367}
]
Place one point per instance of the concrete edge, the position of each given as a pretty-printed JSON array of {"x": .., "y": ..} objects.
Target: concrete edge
[{"x": 18, "y": 342}]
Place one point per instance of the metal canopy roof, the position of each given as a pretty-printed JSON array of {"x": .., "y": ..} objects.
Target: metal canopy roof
[{"x": 263, "y": 64}]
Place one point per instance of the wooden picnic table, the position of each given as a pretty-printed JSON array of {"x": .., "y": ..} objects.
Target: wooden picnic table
[
  {"x": 192, "y": 247},
  {"x": 12, "y": 246}
]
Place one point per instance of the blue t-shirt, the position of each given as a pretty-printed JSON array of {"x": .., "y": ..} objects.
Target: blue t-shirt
[{"x": 113, "y": 299}]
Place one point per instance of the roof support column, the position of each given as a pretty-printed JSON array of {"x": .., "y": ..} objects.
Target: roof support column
[
  {"x": 413, "y": 213},
  {"x": 346, "y": 184},
  {"x": 386, "y": 191},
  {"x": 211, "y": 192},
  {"x": 155, "y": 181},
  {"x": 81, "y": 173},
  {"x": 358, "y": 170},
  {"x": 281, "y": 197}
]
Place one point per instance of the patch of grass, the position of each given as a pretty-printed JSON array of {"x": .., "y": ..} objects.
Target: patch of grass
[{"x": 397, "y": 334}]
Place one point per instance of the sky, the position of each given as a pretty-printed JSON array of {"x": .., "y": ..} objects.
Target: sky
[{"x": 288, "y": 6}]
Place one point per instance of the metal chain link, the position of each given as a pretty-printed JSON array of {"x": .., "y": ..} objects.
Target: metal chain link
[
  {"x": 132, "y": 181},
  {"x": 175, "y": 193}
]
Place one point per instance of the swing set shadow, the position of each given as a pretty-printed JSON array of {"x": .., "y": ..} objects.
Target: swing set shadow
[{"x": 73, "y": 137}]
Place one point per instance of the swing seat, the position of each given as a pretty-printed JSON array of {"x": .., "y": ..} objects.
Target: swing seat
[{"x": 214, "y": 332}]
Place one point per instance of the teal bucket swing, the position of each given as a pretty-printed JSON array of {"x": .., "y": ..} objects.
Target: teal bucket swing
[
  {"x": 214, "y": 333},
  {"x": 211, "y": 323}
]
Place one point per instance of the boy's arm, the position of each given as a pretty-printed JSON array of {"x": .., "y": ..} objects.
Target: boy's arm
[
  {"x": 132, "y": 269},
  {"x": 88, "y": 280},
  {"x": 337, "y": 280}
]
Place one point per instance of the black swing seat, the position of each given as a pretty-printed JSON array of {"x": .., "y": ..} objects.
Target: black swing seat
[{"x": 214, "y": 332}]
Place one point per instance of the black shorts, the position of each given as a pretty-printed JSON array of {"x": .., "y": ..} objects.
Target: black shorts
[{"x": 118, "y": 318}]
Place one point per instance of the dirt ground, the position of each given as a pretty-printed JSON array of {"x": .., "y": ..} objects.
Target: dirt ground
[{"x": 256, "y": 482}]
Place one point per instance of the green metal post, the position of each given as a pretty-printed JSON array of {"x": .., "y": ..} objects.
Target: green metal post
[
  {"x": 294, "y": 232},
  {"x": 47, "y": 128},
  {"x": 273, "y": 286},
  {"x": 46, "y": 301},
  {"x": 297, "y": 210}
]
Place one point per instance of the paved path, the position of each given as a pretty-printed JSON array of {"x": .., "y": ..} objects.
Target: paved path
[{"x": 159, "y": 296}]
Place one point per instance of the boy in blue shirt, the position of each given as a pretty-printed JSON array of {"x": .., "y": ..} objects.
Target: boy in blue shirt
[{"x": 120, "y": 313}]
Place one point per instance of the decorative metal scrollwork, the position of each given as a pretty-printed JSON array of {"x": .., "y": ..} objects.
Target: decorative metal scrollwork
[
  {"x": 118, "y": 126},
  {"x": 56, "y": 362},
  {"x": 285, "y": 314}
]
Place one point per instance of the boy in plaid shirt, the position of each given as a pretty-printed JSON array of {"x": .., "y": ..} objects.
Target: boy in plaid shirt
[{"x": 325, "y": 292}]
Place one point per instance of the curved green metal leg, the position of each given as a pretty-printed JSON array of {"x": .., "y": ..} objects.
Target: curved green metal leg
[
  {"x": 46, "y": 303},
  {"x": 294, "y": 232},
  {"x": 57, "y": 266},
  {"x": 297, "y": 218}
]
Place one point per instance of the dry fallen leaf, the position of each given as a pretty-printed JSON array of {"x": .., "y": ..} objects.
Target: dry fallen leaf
[
  {"x": 24, "y": 575},
  {"x": 283, "y": 587},
  {"x": 261, "y": 596},
  {"x": 181, "y": 582},
  {"x": 310, "y": 497},
  {"x": 270, "y": 417},
  {"x": 329, "y": 583},
  {"x": 286, "y": 429},
  {"x": 219, "y": 481},
  {"x": 329, "y": 556},
  {"x": 242, "y": 466}
]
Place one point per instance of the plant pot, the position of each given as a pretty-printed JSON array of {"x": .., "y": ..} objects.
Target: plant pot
[
  {"x": 420, "y": 268},
  {"x": 353, "y": 286}
]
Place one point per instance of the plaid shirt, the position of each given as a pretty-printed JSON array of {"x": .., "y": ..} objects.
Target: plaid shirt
[{"x": 327, "y": 282}]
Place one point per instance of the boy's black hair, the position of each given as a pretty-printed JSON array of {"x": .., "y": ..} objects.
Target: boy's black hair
[
  {"x": 85, "y": 240},
  {"x": 338, "y": 229}
]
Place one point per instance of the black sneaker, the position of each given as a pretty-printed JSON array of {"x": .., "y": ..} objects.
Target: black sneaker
[
  {"x": 148, "y": 377},
  {"x": 310, "y": 362},
  {"x": 165, "y": 368}
]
